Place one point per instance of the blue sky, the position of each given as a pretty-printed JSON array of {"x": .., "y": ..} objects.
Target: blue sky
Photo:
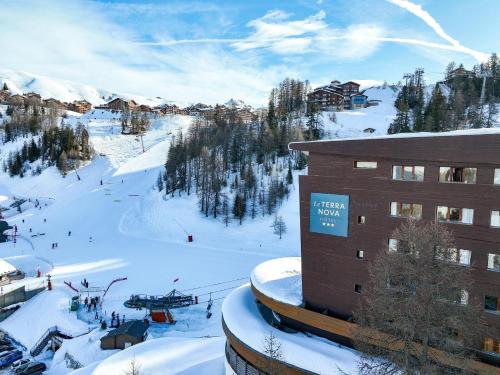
[{"x": 211, "y": 51}]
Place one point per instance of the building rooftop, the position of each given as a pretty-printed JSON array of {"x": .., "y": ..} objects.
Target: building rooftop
[
  {"x": 135, "y": 328},
  {"x": 468, "y": 146},
  {"x": 311, "y": 353},
  {"x": 280, "y": 279}
]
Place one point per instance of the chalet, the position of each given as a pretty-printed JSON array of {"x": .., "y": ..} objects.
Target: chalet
[
  {"x": 165, "y": 109},
  {"x": 80, "y": 106},
  {"x": 327, "y": 98},
  {"x": 358, "y": 100},
  {"x": 144, "y": 108},
  {"x": 246, "y": 116},
  {"x": 126, "y": 335},
  {"x": 461, "y": 72},
  {"x": 33, "y": 98},
  {"x": 4, "y": 96},
  {"x": 337, "y": 96},
  {"x": 200, "y": 109},
  {"x": 16, "y": 99},
  {"x": 119, "y": 104},
  {"x": 54, "y": 103},
  {"x": 349, "y": 88}
]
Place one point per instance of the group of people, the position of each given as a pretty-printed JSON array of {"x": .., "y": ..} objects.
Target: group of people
[
  {"x": 115, "y": 320},
  {"x": 91, "y": 303},
  {"x": 55, "y": 245}
]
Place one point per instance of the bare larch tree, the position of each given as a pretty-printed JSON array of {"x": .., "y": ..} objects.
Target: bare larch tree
[{"x": 417, "y": 307}]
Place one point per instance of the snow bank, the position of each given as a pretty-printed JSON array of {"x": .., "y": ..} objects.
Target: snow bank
[
  {"x": 47, "y": 309},
  {"x": 453, "y": 133},
  {"x": 6, "y": 267},
  {"x": 311, "y": 353},
  {"x": 280, "y": 279},
  {"x": 187, "y": 356},
  {"x": 85, "y": 349}
]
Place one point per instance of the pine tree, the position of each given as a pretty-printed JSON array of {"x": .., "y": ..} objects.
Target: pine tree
[
  {"x": 313, "y": 125},
  {"x": 272, "y": 121},
  {"x": 401, "y": 123},
  {"x": 225, "y": 209},
  {"x": 492, "y": 114},
  {"x": 436, "y": 115},
  {"x": 62, "y": 163},
  {"x": 301, "y": 161},
  {"x": 159, "y": 182},
  {"x": 239, "y": 208},
  {"x": 289, "y": 175},
  {"x": 5, "y": 87}
]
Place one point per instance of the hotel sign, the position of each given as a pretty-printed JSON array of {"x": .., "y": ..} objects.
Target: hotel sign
[{"x": 329, "y": 214}]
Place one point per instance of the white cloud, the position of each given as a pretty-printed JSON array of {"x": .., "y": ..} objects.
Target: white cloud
[
  {"x": 75, "y": 41},
  {"x": 425, "y": 16},
  {"x": 276, "y": 31}
]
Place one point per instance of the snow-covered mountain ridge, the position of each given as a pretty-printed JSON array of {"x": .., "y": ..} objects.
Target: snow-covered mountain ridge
[{"x": 67, "y": 91}]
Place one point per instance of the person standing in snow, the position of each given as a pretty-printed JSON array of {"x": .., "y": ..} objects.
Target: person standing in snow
[
  {"x": 69, "y": 234},
  {"x": 86, "y": 301}
]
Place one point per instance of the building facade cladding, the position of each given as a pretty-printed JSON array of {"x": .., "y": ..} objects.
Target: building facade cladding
[{"x": 331, "y": 266}]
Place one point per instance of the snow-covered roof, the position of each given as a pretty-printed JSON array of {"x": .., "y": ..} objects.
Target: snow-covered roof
[
  {"x": 311, "y": 353},
  {"x": 6, "y": 267},
  {"x": 280, "y": 279},
  {"x": 454, "y": 133}
]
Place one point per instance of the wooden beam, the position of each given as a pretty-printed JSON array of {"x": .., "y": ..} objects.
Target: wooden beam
[{"x": 348, "y": 330}]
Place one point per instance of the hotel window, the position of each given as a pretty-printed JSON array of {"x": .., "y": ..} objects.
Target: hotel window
[
  {"x": 393, "y": 245},
  {"x": 494, "y": 262},
  {"x": 463, "y": 175},
  {"x": 460, "y": 256},
  {"x": 496, "y": 179},
  {"x": 491, "y": 303},
  {"x": 495, "y": 219},
  {"x": 408, "y": 210},
  {"x": 365, "y": 164},
  {"x": 357, "y": 288},
  {"x": 455, "y": 215},
  {"x": 464, "y": 297},
  {"x": 408, "y": 173},
  {"x": 360, "y": 254},
  {"x": 491, "y": 345},
  {"x": 463, "y": 257}
]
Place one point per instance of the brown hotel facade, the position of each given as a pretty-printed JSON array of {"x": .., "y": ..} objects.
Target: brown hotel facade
[
  {"x": 452, "y": 178},
  {"x": 356, "y": 193}
]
